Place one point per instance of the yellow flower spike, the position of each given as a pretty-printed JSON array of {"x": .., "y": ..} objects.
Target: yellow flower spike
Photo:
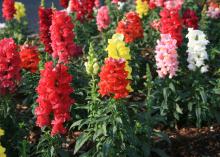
[
  {"x": 20, "y": 11},
  {"x": 2, "y": 151},
  {"x": 142, "y": 8},
  {"x": 129, "y": 70},
  {"x": 117, "y": 48},
  {"x": 129, "y": 88},
  {"x": 2, "y": 132}
]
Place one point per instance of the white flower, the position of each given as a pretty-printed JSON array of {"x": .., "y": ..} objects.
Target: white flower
[
  {"x": 2, "y": 25},
  {"x": 197, "y": 50},
  {"x": 121, "y": 5}
]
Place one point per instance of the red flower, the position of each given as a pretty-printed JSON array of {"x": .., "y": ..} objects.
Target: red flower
[
  {"x": 54, "y": 92},
  {"x": 29, "y": 58},
  {"x": 131, "y": 27},
  {"x": 82, "y": 8},
  {"x": 171, "y": 23},
  {"x": 190, "y": 20},
  {"x": 45, "y": 21},
  {"x": 9, "y": 66},
  {"x": 156, "y": 3},
  {"x": 113, "y": 79},
  {"x": 8, "y": 9},
  {"x": 62, "y": 37},
  {"x": 64, "y": 3}
]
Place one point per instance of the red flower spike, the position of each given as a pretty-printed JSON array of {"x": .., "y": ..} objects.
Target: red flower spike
[
  {"x": 113, "y": 79},
  {"x": 190, "y": 19},
  {"x": 9, "y": 66},
  {"x": 62, "y": 37},
  {"x": 131, "y": 27},
  {"x": 82, "y": 8},
  {"x": 45, "y": 21},
  {"x": 64, "y": 3},
  {"x": 54, "y": 92},
  {"x": 8, "y": 9},
  {"x": 29, "y": 58},
  {"x": 171, "y": 23}
]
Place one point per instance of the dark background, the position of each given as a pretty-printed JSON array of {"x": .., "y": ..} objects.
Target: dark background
[{"x": 32, "y": 11}]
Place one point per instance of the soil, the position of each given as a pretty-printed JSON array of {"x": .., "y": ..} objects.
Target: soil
[{"x": 195, "y": 142}]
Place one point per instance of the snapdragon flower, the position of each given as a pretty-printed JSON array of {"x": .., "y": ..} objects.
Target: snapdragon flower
[{"x": 197, "y": 50}]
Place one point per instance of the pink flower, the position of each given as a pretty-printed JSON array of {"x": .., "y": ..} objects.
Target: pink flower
[
  {"x": 166, "y": 56},
  {"x": 168, "y": 4},
  {"x": 173, "y": 4},
  {"x": 103, "y": 20},
  {"x": 213, "y": 10},
  {"x": 155, "y": 24}
]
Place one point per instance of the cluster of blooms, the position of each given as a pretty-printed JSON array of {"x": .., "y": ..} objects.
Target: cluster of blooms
[
  {"x": 130, "y": 27},
  {"x": 190, "y": 19},
  {"x": 117, "y": 1},
  {"x": 156, "y": 3},
  {"x": 20, "y": 11},
  {"x": 97, "y": 3},
  {"x": 62, "y": 37},
  {"x": 64, "y": 3},
  {"x": 173, "y": 4},
  {"x": 155, "y": 24},
  {"x": 92, "y": 66},
  {"x": 213, "y": 10},
  {"x": 29, "y": 58},
  {"x": 142, "y": 7},
  {"x": 166, "y": 56},
  {"x": 82, "y": 8},
  {"x": 168, "y": 4},
  {"x": 10, "y": 66},
  {"x": 118, "y": 50},
  {"x": 103, "y": 19},
  {"x": 2, "y": 149},
  {"x": 8, "y": 9},
  {"x": 45, "y": 21},
  {"x": 54, "y": 92},
  {"x": 197, "y": 50},
  {"x": 113, "y": 79},
  {"x": 171, "y": 23}
]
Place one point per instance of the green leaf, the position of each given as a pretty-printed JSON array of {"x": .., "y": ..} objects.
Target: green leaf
[
  {"x": 178, "y": 109},
  {"x": 77, "y": 123},
  {"x": 203, "y": 95},
  {"x": 172, "y": 87},
  {"x": 52, "y": 150},
  {"x": 216, "y": 91},
  {"x": 81, "y": 141},
  {"x": 160, "y": 152}
]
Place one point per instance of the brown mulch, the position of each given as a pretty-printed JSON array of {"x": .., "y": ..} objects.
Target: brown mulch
[{"x": 195, "y": 142}]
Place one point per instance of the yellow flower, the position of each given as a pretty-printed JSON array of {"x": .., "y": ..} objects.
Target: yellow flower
[
  {"x": 117, "y": 48},
  {"x": 2, "y": 151},
  {"x": 92, "y": 66},
  {"x": 142, "y": 8},
  {"x": 2, "y": 132},
  {"x": 129, "y": 70},
  {"x": 20, "y": 11}
]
